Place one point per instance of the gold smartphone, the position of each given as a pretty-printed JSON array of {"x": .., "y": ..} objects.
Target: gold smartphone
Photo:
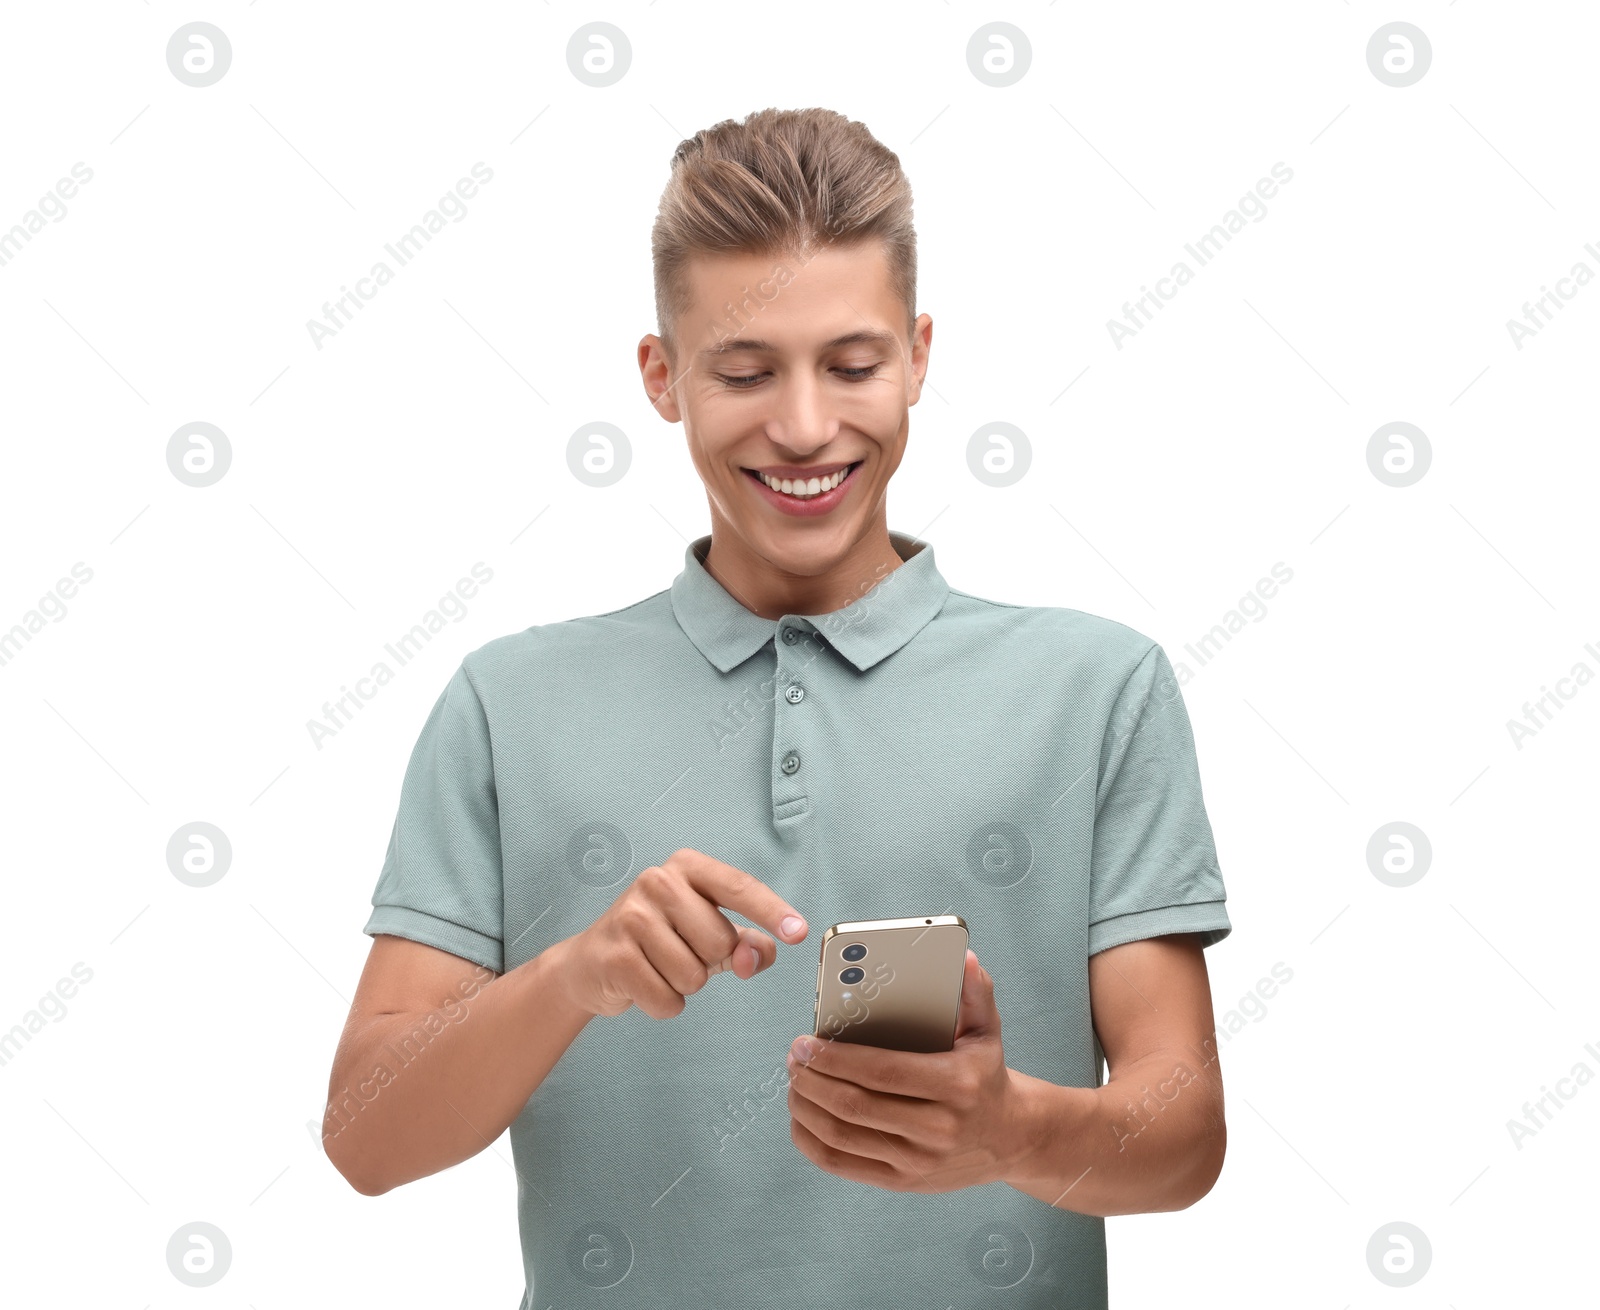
[{"x": 893, "y": 983}]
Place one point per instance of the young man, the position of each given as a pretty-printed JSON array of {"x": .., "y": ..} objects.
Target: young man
[{"x": 808, "y": 725}]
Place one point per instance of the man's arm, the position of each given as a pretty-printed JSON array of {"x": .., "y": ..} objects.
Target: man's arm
[
  {"x": 1153, "y": 1137},
  {"x": 419, "y": 1083}
]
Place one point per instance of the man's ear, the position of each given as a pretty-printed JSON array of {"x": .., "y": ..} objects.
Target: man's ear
[
  {"x": 657, "y": 373},
  {"x": 921, "y": 342}
]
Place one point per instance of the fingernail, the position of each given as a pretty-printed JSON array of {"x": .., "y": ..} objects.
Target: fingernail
[
  {"x": 803, "y": 1050},
  {"x": 793, "y": 925}
]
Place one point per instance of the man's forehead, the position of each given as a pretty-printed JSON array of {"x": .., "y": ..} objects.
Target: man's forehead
[{"x": 777, "y": 344}]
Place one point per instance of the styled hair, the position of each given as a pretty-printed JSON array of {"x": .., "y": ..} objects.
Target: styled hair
[{"x": 782, "y": 182}]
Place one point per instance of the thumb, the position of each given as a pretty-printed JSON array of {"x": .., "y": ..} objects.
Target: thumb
[
  {"x": 754, "y": 952},
  {"x": 978, "y": 1015}
]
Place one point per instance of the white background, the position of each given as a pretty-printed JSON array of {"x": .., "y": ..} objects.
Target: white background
[{"x": 1167, "y": 477}]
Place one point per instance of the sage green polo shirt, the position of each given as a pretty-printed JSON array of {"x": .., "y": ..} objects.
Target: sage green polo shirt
[{"x": 920, "y": 751}]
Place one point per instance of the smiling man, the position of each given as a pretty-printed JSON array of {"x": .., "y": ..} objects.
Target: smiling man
[
  {"x": 796, "y": 410},
  {"x": 808, "y": 726}
]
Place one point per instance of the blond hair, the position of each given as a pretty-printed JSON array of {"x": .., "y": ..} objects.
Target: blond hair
[{"x": 782, "y": 182}]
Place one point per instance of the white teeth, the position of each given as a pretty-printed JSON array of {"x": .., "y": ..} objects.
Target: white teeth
[{"x": 805, "y": 490}]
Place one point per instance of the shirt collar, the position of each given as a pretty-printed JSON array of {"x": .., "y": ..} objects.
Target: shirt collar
[{"x": 873, "y": 626}]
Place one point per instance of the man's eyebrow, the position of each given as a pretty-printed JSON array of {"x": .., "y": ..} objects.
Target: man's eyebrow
[{"x": 862, "y": 337}]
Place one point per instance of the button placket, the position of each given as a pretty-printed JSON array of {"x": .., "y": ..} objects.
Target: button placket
[{"x": 789, "y": 801}]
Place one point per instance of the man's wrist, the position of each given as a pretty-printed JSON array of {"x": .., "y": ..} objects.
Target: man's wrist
[
  {"x": 1051, "y": 1121},
  {"x": 552, "y": 986}
]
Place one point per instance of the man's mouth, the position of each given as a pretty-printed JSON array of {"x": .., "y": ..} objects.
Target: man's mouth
[{"x": 808, "y": 489}]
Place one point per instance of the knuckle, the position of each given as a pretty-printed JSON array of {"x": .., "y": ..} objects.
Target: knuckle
[
  {"x": 634, "y": 916},
  {"x": 744, "y": 882}
]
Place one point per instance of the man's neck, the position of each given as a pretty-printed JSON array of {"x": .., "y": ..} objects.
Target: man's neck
[{"x": 770, "y": 593}]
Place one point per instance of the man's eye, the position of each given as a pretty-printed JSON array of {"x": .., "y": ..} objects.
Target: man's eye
[{"x": 744, "y": 381}]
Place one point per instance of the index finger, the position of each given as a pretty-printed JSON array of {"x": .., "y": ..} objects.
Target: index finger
[
  {"x": 734, "y": 889},
  {"x": 919, "y": 1075}
]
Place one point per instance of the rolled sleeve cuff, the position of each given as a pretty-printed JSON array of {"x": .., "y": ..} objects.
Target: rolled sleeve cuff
[
  {"x": 414, "y": 925},
  {"x": 1208, "y": 918}
]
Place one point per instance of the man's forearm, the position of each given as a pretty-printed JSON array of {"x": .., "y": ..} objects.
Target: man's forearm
[
  {"x": 1152, "y": 1138},
  {"x": 417, "y": 1093}
]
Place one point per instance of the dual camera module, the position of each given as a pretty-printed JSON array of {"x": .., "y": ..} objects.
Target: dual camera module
[{"x": 853, "y": 975}]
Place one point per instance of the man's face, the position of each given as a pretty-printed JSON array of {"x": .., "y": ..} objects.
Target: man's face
[{"x": 792, "y": 365}]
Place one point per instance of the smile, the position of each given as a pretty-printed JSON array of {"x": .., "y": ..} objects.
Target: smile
[
  {"x": 805, "y": 490},
  {"x": 816, "y": 496}
]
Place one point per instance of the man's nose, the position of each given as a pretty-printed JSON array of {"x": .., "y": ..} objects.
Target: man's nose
[{"x": 803, "y": 420}]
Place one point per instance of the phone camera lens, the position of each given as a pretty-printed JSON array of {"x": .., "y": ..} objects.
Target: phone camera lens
[
  {"x": 852, "y": 975},
  {"x": 854, "y": 951}
]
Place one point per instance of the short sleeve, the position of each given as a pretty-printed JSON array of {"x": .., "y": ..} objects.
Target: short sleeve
[
  {"x": 1153, "y": 867},
  {"x": 442, "y": 881}
]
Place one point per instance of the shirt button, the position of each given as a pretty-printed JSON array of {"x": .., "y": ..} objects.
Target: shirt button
[
  {"x": 795, "y": 693},
  {"x": 791, "y": 762},
  {"x": 790, "y": 636}
]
